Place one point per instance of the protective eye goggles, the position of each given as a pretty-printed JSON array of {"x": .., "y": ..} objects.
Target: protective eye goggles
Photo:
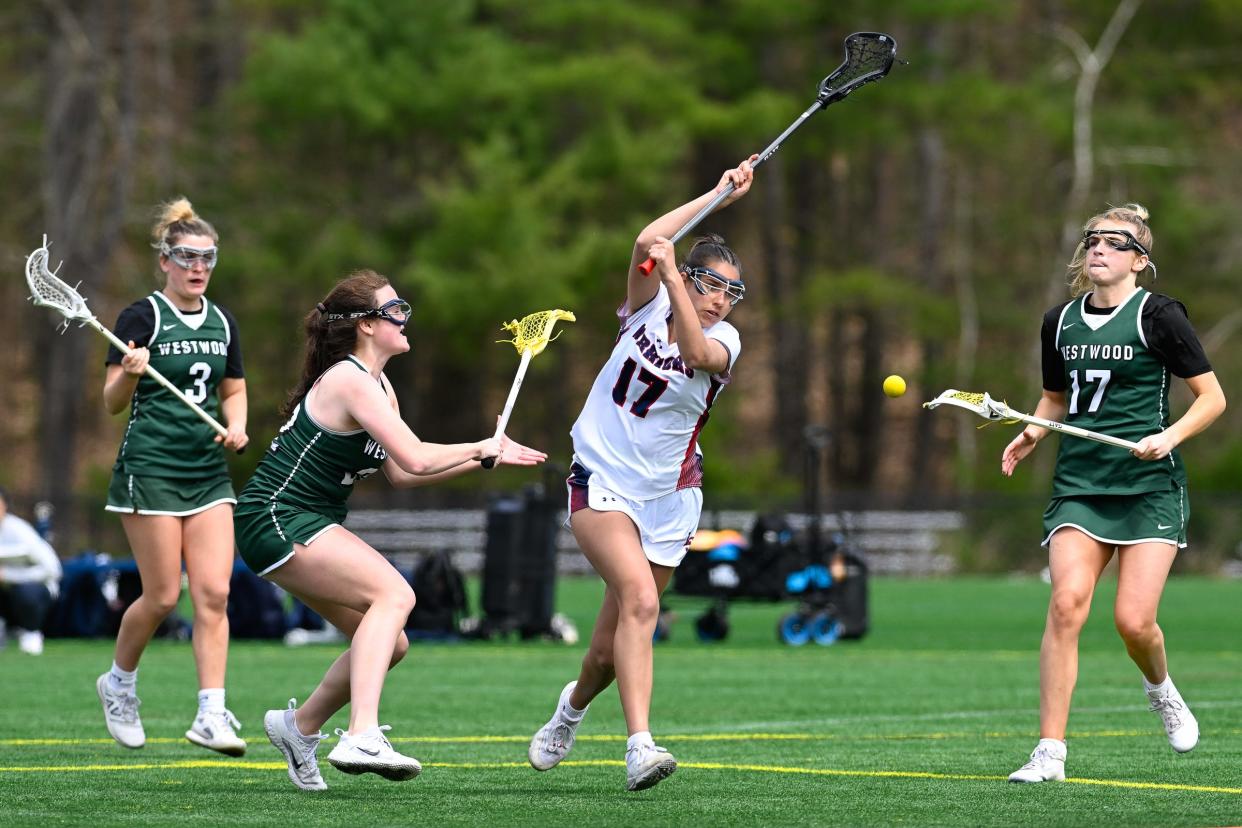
[
  {"x": 396, "y": 311},
  {"x": 187, "y": 257},
  {"x": 707, "y": 281},
  {"x": 1116, "y": 239}
]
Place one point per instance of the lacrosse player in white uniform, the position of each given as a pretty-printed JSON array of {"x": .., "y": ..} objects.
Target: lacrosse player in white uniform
[{"x": 634, "y": 496}]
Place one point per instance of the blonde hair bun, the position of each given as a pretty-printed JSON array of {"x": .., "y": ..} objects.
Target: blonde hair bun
[
  {"x": 1138, "y": 210},
  {"x": 177, "y": 218}
]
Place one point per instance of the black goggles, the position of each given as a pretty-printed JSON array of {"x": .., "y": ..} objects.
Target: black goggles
[
  {"x": 1116, "y": 239},
  {"x": 707, "y": 281},
  {"x": 389, "y": 312}
]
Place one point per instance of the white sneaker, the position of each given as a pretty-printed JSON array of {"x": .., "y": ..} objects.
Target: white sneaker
[
  {"x": 299, "y": 750},
  {"x": 371, "y": 752},
  {"x": 30, "y": 642},
  {"x": 213, "y": 729},
  {"x": 1179, "y": 723},
  {"x": 555, "y": 739},
  {"x": 121, "y": 714},
  {"x": 1047, "y": 763},
  {"x": 647, "y": 765}
]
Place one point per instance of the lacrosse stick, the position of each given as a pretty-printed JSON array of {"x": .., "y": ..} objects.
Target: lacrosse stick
[
  {"x": 868, "y": 57},
  {"x": 531, "y": 334},
  {"x": 997, "y": 411},
  {"x": 49, "y": 291}
]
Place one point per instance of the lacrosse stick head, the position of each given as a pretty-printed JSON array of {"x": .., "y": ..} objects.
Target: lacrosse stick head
[
  {"x": 48, "y": 291},
  {"x": 978, "y": 403},
  {"x": 534, "y": 332},
  {"x": 868, "y": 57}
]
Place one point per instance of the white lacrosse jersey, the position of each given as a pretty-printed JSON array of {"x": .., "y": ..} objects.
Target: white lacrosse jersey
[{"x": 638, "y": 432}]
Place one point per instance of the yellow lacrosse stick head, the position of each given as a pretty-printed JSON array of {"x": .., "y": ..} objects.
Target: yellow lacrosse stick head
[{"x": 534, "y": 332}]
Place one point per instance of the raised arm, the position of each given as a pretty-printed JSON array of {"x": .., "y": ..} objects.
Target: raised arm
[
  {"x": 640, "y": 289},
  {"x": 697, "y": 351}
]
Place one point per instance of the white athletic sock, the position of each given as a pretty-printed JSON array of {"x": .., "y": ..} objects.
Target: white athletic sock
[
  {"x": 1162, "y": 689},
  {"x": 642, "y": 737},
  {"x": 122, "y": 681},
  {"x": 211, "y": 699},
  {"x": 571, "y": 713},
  {"x": 1057, "y": 745}
]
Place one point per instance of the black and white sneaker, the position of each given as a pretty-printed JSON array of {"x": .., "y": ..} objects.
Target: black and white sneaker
[
  {"x": 371, "y": 752},
  {"x": 299, "y": 750}
]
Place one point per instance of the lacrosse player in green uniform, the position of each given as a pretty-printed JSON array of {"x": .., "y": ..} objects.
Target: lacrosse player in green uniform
[
  {"x": 170, "y": 483},
  {"x": 343, "y": 425},
  {"x": 1108, "y": 354}
]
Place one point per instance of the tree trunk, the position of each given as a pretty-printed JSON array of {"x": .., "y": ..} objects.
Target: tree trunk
[{"x": 89, "y": 129}]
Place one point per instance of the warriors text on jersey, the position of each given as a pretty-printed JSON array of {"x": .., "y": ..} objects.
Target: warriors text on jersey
[
  {"x": 638, "y": 431},
  {"x": 1116, "y": 381},
  {"x": 194, "y": 351},
  {"x": 311, "y": 468}
]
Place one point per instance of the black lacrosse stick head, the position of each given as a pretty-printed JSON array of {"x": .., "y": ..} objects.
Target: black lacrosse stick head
[{"x": 868, "y": 57}]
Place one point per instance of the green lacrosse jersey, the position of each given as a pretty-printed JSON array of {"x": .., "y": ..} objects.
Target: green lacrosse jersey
[
  {"x": 1117, "y": 386},
  {"x": 313, "y": 468},
  {"x": 164, "y": 437}
]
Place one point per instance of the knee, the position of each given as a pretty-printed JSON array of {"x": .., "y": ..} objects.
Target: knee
[
  {"x": 641, "y": 604},
  {"x": 1068, "y": 609},
  {"x": 1135, "y": 627},
  {"x": 399, "y": 597},
  {"x": 211, "y": 599},
  {"x": 400, "y": 649},
  {"x": 162, "y": 601}
]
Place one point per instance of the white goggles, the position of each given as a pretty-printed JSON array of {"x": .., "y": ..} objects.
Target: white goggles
[{"x": 187, "y": 257}]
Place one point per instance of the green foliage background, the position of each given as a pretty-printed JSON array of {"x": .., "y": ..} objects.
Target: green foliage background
[{"x": 494, "y": 157}]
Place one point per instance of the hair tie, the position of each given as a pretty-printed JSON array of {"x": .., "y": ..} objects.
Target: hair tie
[{"x": 319, "y": 307}]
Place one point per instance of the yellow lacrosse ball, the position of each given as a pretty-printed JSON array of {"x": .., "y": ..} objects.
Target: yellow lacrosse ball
[{"x": 894, "y": 386}]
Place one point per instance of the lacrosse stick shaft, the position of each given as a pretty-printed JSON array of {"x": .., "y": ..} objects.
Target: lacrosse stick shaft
[
  {"x": 649, "y": 265},
  {"x": 503, "y": 423},
  {"x": 161, "y": 379},
  {"x": 1074, "y": 431}
]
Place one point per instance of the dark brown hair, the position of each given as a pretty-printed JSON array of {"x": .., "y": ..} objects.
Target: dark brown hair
[
  {"x": 328, "y": 341},
  {"x": 711, "y": 248}
]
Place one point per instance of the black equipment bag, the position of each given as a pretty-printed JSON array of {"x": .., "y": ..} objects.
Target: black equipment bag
[
  {"x": 256, "y": 609},
  {"x": 440, "y": 597},
  {"x": 519, "y": 565},
  {"x": 773, "y": 554},
  {"x": 849, "y": 597}
]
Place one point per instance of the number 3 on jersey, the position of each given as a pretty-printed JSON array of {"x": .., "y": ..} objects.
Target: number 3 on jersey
[
  {"x": 200, "y": 371},
  {"x": 655, "y": 387},
  {"x": 1097, "y": 399}
]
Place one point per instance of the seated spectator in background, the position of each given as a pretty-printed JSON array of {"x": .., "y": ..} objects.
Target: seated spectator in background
[{"x": 29, "y": 578}]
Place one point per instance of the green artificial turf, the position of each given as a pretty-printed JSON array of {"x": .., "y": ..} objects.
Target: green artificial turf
[{"x": 917, "y": 724}]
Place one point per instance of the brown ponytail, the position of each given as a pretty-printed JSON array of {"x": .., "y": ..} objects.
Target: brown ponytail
[{"x": 328, "y": 341}]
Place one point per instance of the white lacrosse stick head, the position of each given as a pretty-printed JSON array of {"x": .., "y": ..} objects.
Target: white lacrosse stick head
[
  {"x": 979, "y": 403},
  {"x": 49, "y": 291}
]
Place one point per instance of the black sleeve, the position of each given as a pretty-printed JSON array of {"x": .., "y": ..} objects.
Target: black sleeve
[
  {"x": 135, "y": 324},
  {"x": 1171, "y": 337},
  {"x": 233, "y": 364},
  {"x": 1050, "y": 357}
]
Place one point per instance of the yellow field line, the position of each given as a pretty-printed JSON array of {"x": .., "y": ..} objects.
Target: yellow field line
[
  {"x": 616, "y": 763},
  {"x": 676, "y": 737}
]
